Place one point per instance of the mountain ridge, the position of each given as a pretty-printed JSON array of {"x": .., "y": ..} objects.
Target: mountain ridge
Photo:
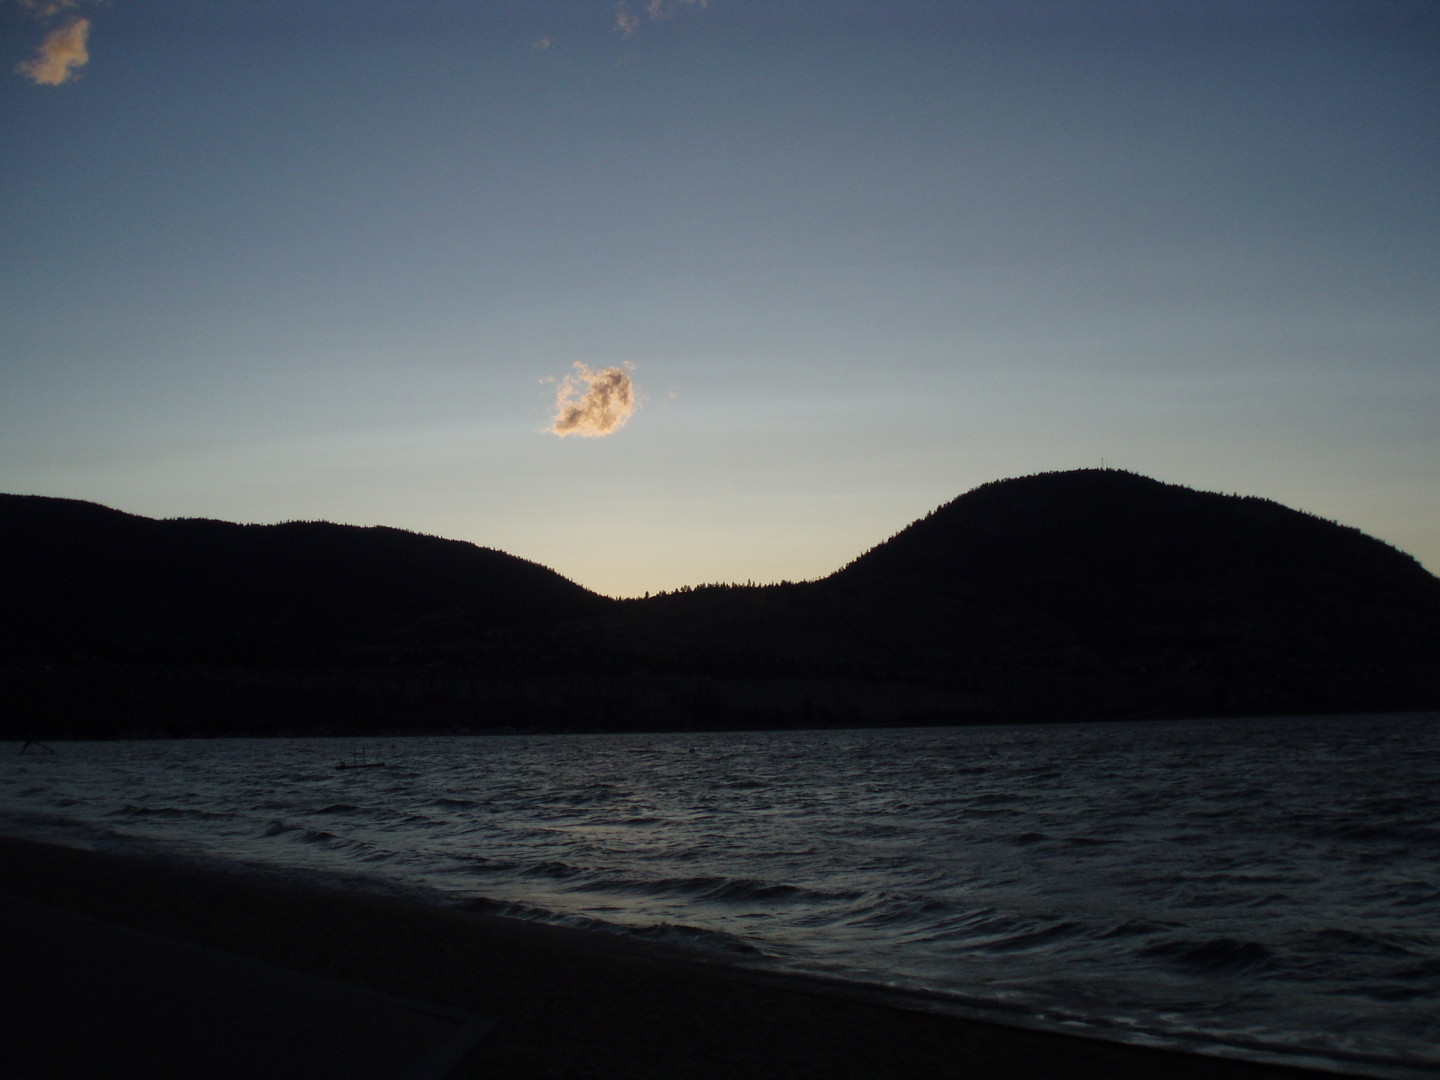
[{"x": 1068, "y": 595}]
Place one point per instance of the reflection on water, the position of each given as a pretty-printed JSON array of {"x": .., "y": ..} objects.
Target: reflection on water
[{"x": 1259, "y": 887}]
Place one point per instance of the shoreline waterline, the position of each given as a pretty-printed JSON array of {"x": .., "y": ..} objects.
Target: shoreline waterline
[{"x": 567, "y": 998}]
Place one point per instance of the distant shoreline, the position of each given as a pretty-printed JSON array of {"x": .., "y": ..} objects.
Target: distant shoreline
[{"x": 12, "y": 744}]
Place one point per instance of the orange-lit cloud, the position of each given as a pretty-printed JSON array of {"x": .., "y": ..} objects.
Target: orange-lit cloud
[
  {"x": 608, "y": 400},
  {"x": 62, "y": 53},
  {"x": 542, "y": 42}
]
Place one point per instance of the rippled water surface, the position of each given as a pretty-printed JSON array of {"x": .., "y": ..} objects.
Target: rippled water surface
[{"x": 1243, "y": 887}]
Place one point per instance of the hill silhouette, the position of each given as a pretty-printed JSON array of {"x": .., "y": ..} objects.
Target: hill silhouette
[
  {"x": 81, "y": 580},
  {"x": 1107, "y": 559},
  {"x": 1086, "y": 594}
]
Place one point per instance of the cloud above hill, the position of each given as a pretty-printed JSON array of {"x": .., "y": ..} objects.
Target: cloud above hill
[{"x": 593, "y": 403}]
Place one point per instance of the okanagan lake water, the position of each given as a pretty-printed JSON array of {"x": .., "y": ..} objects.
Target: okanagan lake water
[{"x": 1266, "y": 889}]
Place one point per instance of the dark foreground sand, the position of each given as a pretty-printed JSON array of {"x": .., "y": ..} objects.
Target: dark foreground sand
[{"x": 570, "y": 1003}]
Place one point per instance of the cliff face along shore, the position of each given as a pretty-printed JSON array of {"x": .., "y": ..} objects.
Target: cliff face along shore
[
  {"x": 569, "y": 1003},
  {"x": 1094, "y": 594}
]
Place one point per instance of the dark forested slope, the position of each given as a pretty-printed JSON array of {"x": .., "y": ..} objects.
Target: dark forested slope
[
  {"x": 1093, "y": 592},
  {"x": 81, "y": 580},
  {"x": 1084, "y": 594},
  {"x": 1107, "y": 559}
]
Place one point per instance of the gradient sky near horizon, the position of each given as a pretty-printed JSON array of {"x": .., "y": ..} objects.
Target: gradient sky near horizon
[{"x": 267, "y": 261}]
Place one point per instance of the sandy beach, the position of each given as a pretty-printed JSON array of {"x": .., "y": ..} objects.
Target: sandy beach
[{"x": 565, "y": 1002}]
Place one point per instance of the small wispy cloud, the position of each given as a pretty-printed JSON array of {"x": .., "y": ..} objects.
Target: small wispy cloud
[
  {"x": 593, "y": 403},
  {"x": 541, "y": 43},
  {"x": 61, "y": 55},
  {"x": 626, "y": 22}
]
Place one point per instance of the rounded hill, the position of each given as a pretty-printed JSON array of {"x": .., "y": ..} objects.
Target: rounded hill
[
  {"x": 82, "y": 578},
  {"x": 1110, "y": 541},
  {"x": 1101, "y": 576}
]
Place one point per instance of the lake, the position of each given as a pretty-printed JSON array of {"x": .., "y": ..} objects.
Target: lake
[{"x": 1267, "y": 889}]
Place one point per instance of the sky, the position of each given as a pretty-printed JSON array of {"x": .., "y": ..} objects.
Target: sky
[{"x": 658, "y": 294}]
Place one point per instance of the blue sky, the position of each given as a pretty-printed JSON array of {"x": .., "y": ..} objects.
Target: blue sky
[{"x": 297, "y": 260}]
